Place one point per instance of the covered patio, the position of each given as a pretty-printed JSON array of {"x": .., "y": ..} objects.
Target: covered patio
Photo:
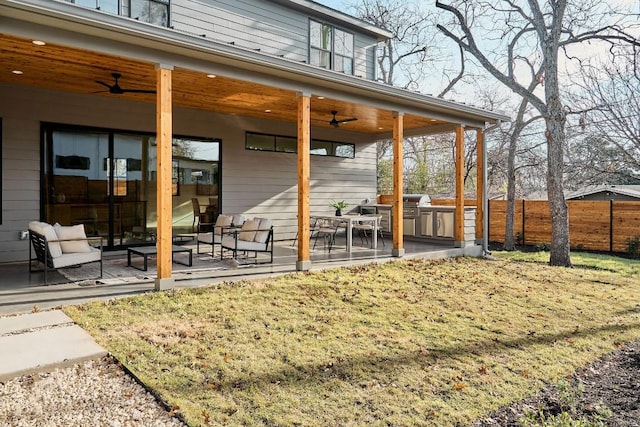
[{"x": 67, "y": 53}]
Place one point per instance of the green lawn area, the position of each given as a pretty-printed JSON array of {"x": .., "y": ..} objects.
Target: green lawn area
[{"x": 413, "y": 342}]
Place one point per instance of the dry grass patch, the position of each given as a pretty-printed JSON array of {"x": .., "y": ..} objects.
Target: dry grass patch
[{"x": 433, "y": 343}]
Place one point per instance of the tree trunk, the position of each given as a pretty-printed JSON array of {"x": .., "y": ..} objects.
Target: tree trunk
[
  {"x": 560, "y": 251},
  {"x": 509, "y": 238}
]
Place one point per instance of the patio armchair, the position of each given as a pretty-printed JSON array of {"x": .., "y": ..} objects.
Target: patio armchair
[
  {"x": 211, "y": 234},
  {"x": 58, "y": 247},
  {"x": 255, "y": 236}
]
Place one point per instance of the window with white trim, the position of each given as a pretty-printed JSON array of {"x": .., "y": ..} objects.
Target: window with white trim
[{"x": 330, "y": 47}]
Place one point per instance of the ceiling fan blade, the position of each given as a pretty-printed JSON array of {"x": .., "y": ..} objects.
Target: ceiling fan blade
[
  {"x": 350, "y": 119},
  {"x": 138, "y": 91},
  {"x": 103, "y": 84}
]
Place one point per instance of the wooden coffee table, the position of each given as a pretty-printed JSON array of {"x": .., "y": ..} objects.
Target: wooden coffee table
[{"x": 146, "y": 251}]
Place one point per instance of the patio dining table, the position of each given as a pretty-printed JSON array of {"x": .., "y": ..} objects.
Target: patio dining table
[{"x": 349, "y": 220}]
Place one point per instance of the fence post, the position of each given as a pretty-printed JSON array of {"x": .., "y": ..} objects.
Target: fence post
[
  {"x": 523, "y": 239},
  {"x": 611, "y": 225},
  {"x": 488, "y": 213}
]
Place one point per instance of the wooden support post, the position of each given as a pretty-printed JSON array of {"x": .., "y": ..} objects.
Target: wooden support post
[
  {"x": 304, "y": 172},
  {"x": 164, "y": 137},
  {"x": 480, "y": 186},
  {"x": 459, "y": 221},
  {"x": 396, "y": 212}
]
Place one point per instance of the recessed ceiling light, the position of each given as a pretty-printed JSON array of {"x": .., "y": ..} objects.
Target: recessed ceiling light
[
  {"x": 38, "y": 42},
  {"x": 267, "y": 111},
  {"x": 211, "y": 76},
  {"x": 18, "y": 72},
  {"x": 432, "y": 120},
  {"x": 380, "y": 128},
  {"x": 321, "y": 97}
]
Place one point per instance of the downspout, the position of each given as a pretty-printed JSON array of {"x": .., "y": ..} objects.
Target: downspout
[{"x": 485, "y": 192}]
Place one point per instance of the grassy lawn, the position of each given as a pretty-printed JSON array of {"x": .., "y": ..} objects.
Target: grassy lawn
[{"x": 424, "y": 343}]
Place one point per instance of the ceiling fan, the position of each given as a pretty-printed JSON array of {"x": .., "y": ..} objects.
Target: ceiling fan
[
  {"x": 336, "y": 123},
  {"x": 117, "y": 90}
]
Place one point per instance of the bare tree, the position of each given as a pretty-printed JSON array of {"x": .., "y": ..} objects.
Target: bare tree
[
  {"x": 404, "y": 56},
  {"x": 505, "y": 34},
  {"x": 608, "y": 131},
  {"x": 403, "y": 61}
]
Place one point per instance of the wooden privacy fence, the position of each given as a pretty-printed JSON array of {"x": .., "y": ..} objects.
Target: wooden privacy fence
[{"x": 593, "y": 225}]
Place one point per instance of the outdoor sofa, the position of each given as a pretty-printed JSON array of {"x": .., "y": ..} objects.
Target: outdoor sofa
[{"x": 60, "y": 246}]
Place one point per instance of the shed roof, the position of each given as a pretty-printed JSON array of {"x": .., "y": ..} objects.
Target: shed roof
[{"x": 626, "y": 190}]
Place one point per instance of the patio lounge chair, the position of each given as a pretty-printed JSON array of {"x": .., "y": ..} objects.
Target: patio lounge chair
[
  {"x": 58, "y": 247},
  {"x": 255, "y": 236},
  {"x": 209, "y": 235}
]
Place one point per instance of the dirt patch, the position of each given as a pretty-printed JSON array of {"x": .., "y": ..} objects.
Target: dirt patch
[{"x": 612, "y": 382}]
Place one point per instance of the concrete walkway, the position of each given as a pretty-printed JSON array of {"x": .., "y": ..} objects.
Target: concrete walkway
[{"x": 42, "y": 341}]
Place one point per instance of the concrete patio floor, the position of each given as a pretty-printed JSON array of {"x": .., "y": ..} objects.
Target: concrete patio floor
[{"x": 21, "y": 292}]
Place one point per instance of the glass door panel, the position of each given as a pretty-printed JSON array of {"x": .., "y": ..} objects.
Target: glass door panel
[
  {"x": 75, "y": 184},
  {"x": 129, "y": 189},
  {"x": 195, "y": 174}
]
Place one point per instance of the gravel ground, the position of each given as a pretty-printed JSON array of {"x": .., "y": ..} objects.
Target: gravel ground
[
  {"x": 100, "y": 393},
  {"x": 93, "y": 393}
]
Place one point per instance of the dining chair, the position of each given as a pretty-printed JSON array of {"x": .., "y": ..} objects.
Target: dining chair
[
  {"x": 327, "y": 229},
  {"x": 364, "y": 228},
  {"x": 198, "y": 215},
  {"x": 313, "y": 229}
]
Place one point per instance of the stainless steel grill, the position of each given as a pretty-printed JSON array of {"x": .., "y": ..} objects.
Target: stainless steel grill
[{"x": 411, "y": 212}]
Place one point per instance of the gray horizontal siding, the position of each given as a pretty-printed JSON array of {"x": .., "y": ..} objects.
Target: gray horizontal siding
[
  {"x": 261, "y": 184},
  {"x": 270, "y": 190},
  {"x": 252, "y": 24},
  {"x": 255, "y": 24}
]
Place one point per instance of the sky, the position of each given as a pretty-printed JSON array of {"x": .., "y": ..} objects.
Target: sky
[{"x": 336, "y": 4}]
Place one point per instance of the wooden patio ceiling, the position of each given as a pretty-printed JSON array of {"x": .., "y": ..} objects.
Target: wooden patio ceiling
[{"x": 74, "y": 70}]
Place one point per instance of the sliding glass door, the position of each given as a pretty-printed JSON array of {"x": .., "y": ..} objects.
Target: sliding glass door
[{"x": 106, "y": 180}]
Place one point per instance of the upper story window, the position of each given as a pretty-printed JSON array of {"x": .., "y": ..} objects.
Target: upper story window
[
  {"x": 151, "y": 11},
  {"x": 330, "y": 47}
]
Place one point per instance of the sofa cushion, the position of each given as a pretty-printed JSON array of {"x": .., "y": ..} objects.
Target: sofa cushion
[
  {"x": 263, "y": 234},
  {"x": 72, "y": 232},
  {"x": 229, "y": 242},
  {"x": 247, "y": 232},
  {"x": 49, "y": 233},
  {"x": 69, "y": 259},
  {"x": 222, "y": 221},
  {"x": 209, "y": 238},
  {"x": 238, "y": 220}
]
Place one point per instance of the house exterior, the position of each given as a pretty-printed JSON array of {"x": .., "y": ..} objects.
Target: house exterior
[{"x": 116, "y": 113}]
